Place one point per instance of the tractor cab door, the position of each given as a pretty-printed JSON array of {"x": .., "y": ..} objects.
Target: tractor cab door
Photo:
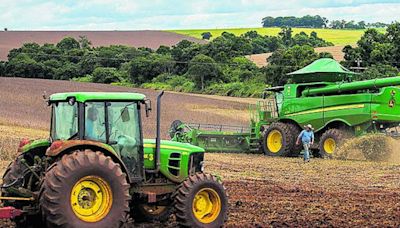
[{"x": 125, "y": 135}]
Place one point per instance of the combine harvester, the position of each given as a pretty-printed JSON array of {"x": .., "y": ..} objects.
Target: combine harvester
[{"x": 321, "y": 94}]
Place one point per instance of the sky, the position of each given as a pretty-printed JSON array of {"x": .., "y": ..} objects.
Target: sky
[{"x": 184, "y": 14}]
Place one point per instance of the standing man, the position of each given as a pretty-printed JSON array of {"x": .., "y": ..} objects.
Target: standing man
[{"x": 307, "y": 138}]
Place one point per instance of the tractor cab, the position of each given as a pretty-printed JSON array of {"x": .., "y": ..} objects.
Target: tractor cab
[{"x": 104, "y": 118}]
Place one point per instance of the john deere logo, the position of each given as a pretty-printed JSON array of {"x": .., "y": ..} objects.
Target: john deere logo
[{"x": 391, "y": 103}]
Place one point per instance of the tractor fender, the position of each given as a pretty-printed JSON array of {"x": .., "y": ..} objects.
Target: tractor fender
[{"x": 59, "y": 148}]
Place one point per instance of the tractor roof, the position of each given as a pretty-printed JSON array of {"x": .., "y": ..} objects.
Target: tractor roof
[{"x": 91, "y": 96}]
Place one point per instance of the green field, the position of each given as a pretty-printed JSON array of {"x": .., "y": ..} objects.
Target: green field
[{"x": 336, "y": 36}]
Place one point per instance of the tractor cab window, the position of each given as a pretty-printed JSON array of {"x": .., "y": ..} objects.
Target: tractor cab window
[
  {"x": 124, "y": 131},
  {"x": 279, "y": 100},
  {"x": 95, "y": 128},
  {"x": 64, "y": 123}
]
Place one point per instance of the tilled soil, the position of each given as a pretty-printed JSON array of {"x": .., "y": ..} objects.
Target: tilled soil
[
  {"x": 152, "y": 39},
  {"x": 21, "y": 103},
  {"x": 285, "y": 192}
]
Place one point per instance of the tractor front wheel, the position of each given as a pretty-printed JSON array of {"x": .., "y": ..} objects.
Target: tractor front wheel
[
  {"x": 201, "y": 201},
  {"x": 278, "y": 140},
  {"x": 85, "y": 189}
]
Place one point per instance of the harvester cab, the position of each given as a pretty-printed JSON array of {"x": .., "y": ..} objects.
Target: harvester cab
[{"x": 96, "y": 169}]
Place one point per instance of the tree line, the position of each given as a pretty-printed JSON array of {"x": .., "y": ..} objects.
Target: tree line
[
  {"x": 377, "y": 52},
  {"x": 317, "y": 21},
  {"x": 218, "y": 67}
]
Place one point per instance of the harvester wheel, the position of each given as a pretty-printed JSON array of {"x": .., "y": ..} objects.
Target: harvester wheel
[
  {"x": 85, "y": 189},
  {"x": 174, "y": 128},
  {"x": 201, "y": 201},
  {"x": 278, "y": 140},
  {"x": 151, "y": 213},
  {"x": 295, "y": 131},
  {"x": 330, "y": 141}
]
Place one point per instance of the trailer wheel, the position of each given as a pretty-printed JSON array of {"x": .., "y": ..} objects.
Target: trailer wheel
[
  {"x": 278, "y": 140},
  {"x": 85, "y": 189},
  {"x": 330, "y": 141},
  {"x": 201, "y": 201},
  {"x": 151, "y": 213}
]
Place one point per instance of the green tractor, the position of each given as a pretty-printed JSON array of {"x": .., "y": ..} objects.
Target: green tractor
[
  {"x": 96, "y": 170},
  {"x": 322, "y": 94}
]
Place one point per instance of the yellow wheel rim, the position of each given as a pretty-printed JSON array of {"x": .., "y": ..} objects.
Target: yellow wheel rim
[
  {"x": 329, "y": 145},
  {"x": 154, "y": 210},
  {"x": 274, "y": 141},
  {"x": 206, "y": 205},
  {"x": 91, "y": 199}
]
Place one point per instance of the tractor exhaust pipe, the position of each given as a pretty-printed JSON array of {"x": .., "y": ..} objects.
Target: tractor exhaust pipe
[{"x": 158, "y": 133}]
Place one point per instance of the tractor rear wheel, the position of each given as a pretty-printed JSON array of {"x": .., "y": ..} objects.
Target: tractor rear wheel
[
  {"x": 151, "y": 213},
  {"x": 201, "y": 201},
  {"x": 330, "y": 142},
  {"x": 278, "y": 140},
  {"x": 85, "y": 189}
]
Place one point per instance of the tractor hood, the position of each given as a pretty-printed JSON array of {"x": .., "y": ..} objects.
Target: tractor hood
[{"x": 166, "y": 144}]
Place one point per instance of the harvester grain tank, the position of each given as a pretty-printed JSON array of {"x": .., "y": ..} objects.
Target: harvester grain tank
[{"x": 322, "y": 94}]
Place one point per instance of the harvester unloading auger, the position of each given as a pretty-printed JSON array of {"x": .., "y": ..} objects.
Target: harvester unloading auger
[{"x": 320, "y": 94}]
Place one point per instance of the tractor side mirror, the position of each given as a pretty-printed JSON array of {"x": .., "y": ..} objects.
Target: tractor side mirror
[
  {"x": 147, "y": 104},
  {"x": 125, "y": 114}
]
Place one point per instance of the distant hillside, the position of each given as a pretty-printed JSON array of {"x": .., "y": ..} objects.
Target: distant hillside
[
  {"x": 336, "y": 36},
  {"x": 261, "y": 59},
  {"x": 151, "y": 39}
]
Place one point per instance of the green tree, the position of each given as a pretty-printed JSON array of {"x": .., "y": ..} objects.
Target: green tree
[
  {"x": 144, "y": 69},
  {"x": 202, "y": 69},
  {"x": 288, "y": 60},
  {"x": 23, "y": 65},
  {"x": 68, "y": 43},
  {"x": 2, "y": 68},
  {"x": 67, "y": 71},
  {"x": 206, "y": 35},
  {"x": 378, "y": 71},
  {"x": 84, "y": 42},
  {"x": 106, "y": 75}
]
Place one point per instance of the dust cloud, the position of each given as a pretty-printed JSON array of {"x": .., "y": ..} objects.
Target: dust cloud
[{"x": 372, "y": 147}]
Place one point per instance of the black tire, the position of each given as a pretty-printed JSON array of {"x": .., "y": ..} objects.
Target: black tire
[
  {"x": 338, "y": 136},
  {"x": 149, "y": 213},
  {"x": 196, "y": 185},
  {"x": 295, "y": 131},
  {"x": 68, "y": 177},
  {"x": 13, "y": 176},
  {"x": 287, "y": 143},
  {"x": 174, "y": 128}
]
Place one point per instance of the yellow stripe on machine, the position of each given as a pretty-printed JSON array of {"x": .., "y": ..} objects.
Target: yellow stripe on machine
[
  {"x": 329, "y": 109},
  {"x": 165, "y": 147}
]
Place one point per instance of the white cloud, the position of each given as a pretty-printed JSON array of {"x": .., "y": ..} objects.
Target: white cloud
[{"x": 175, "y": 14}]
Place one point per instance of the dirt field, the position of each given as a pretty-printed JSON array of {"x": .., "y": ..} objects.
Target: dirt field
[
  {"x": 263, "y": 191},
  {"x": 21, "y": 104},
  {"x": 151, "y": 39}
]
